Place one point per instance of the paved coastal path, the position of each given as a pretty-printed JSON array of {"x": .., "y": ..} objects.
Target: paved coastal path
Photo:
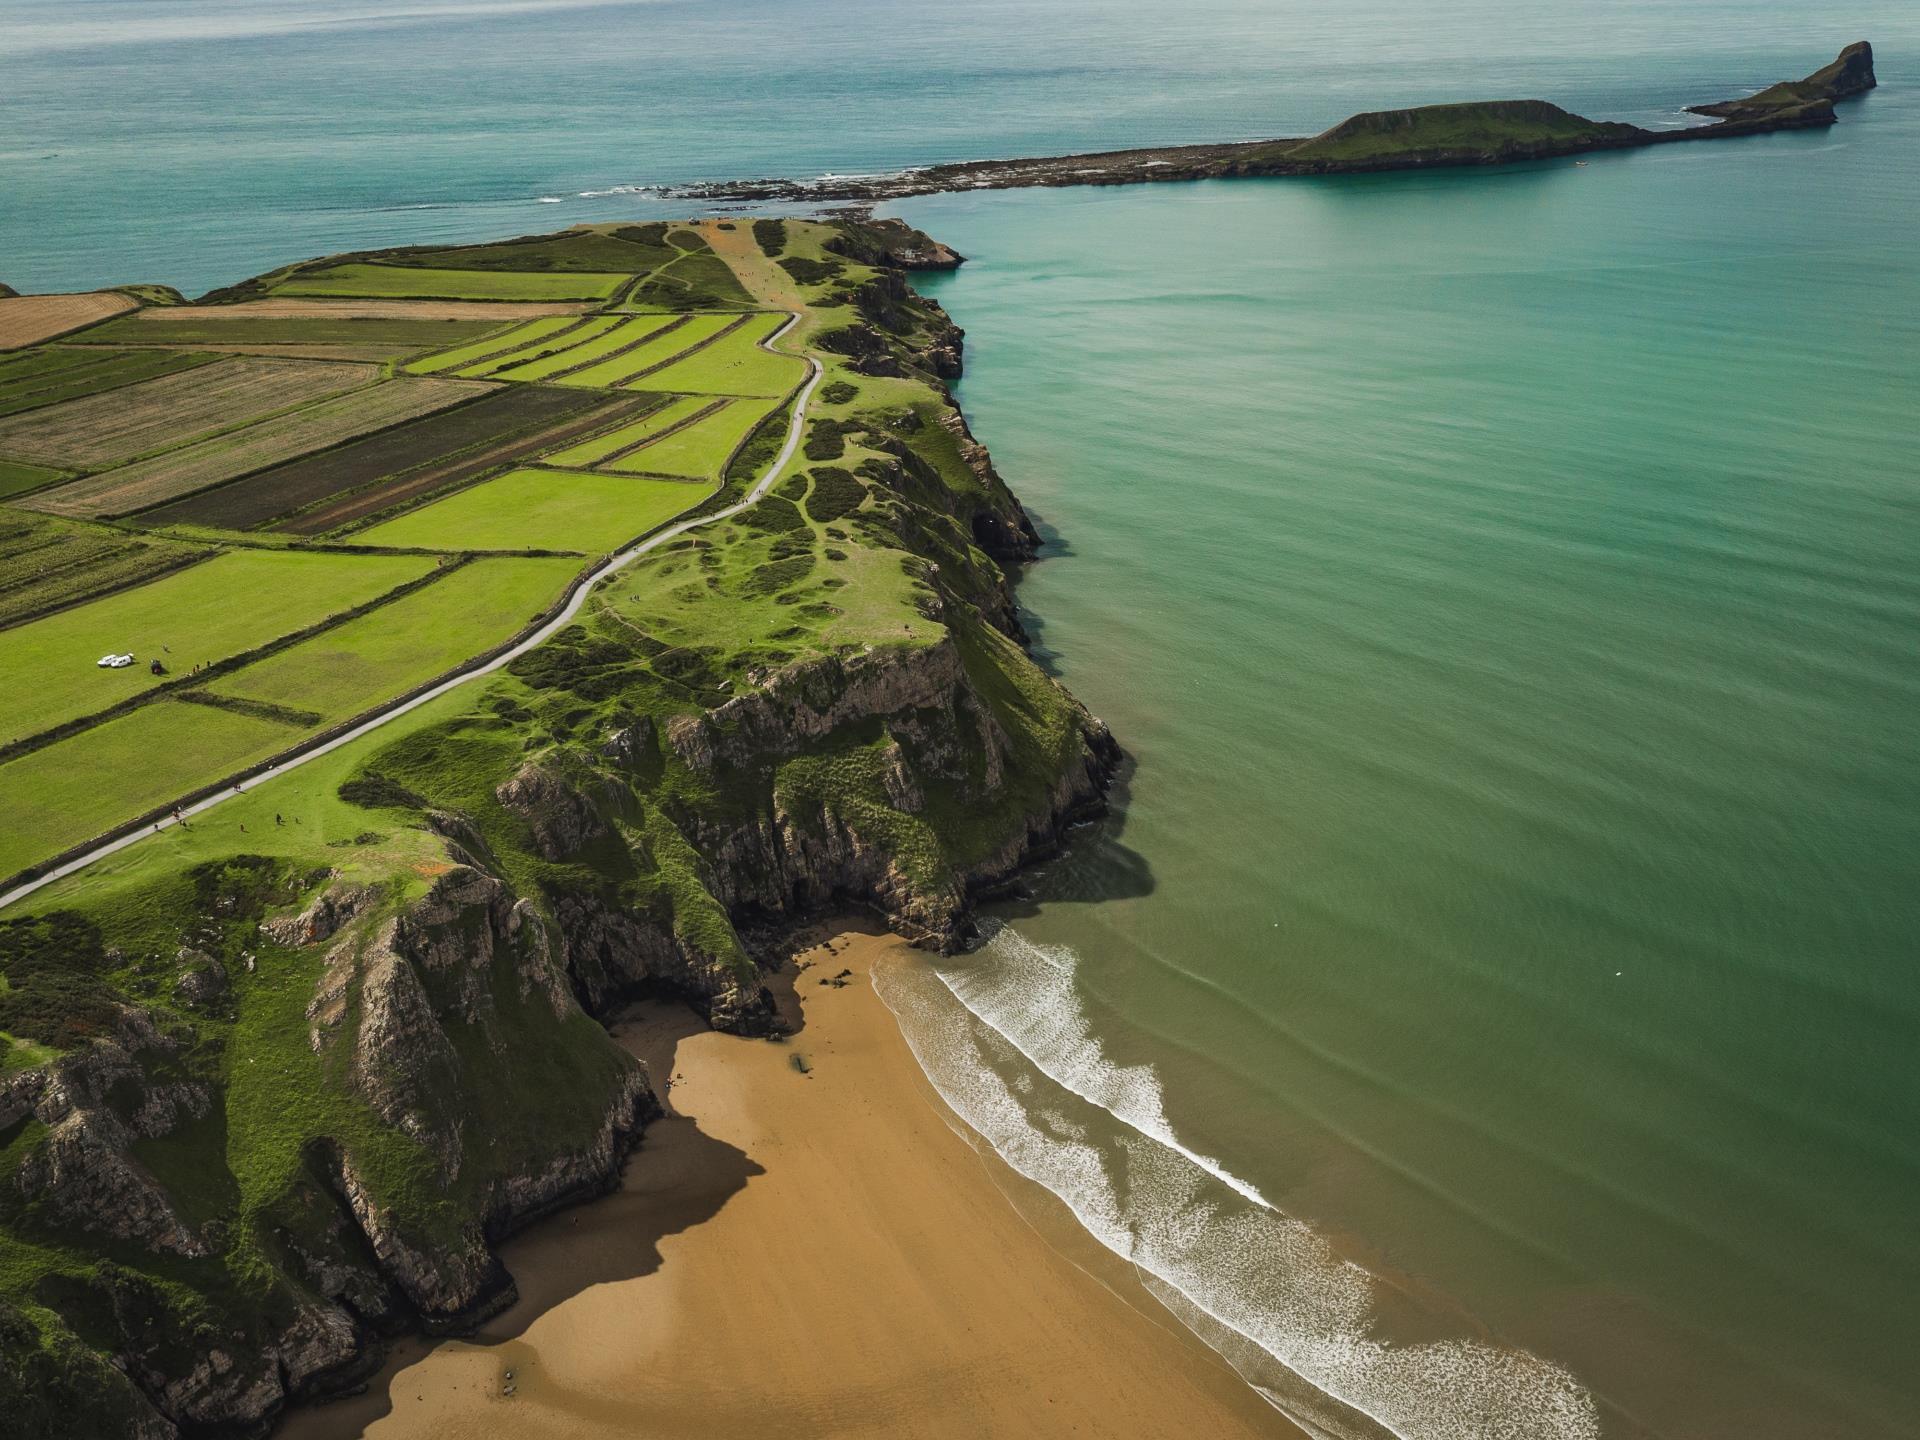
[{"x": 538, "y": 636}]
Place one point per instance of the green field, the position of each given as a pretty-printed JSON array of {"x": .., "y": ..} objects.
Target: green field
[
  {"x": 47, "y": 376},
  {"x": 85, "y": 785},
  {"x": 541, "y": 510},
  {"x": 498, "y": 345},
  {"x": 395, "y": 282},
  {"x": 630, "y": 248},
  {"x": 45, "y": 562},
  {"x": 197, "y": 327},
  {"x": 699, "y": 450},
  {"x": 695, "y": 279},
  {"x": 632, "y": 368},
  {"x": 202, "y": 614},
  {"x": 553, "y": 345},
  {"x": 590, "y": 346},
  {"x": 590, "y": 454},
  {"x": 389, "y": 651},
  {"x": 735, "y": 365},
  {"x": 17, "y": 477}
]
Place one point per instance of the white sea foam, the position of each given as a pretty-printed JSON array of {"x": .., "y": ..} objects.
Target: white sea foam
[
  {"x": 1244, "y": 1274},
  {"x": 1027, "y": 995}
]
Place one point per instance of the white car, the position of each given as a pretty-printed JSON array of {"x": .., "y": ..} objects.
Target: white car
[{"x": 114, "y": 662}]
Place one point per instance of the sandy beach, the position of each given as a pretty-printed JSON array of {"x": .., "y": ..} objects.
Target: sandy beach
[{"x": 806, "y": 1246}]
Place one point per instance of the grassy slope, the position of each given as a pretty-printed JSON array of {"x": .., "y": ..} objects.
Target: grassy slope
[
  {"x": 1473, "y": 128},
  {"x": 397, "y": 282}
]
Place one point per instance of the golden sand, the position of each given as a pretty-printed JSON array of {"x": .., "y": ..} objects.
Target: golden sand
[{"x": 806, "y": 1247}]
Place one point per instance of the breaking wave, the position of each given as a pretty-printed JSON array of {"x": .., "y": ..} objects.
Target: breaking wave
[{"x": 1003, "y": 1037}]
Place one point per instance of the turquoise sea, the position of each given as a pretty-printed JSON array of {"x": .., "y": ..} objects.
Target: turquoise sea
[{"x": 1491, "y": 1010}]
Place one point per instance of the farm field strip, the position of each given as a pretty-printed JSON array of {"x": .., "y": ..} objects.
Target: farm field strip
[
  {"x": 734, "y": 364},
  {"x": 46, "y": 362},
  {"x": 45, "y": 563},
  {"x": 149, "y": 483},
  {"x": 595, "y": 452},
  {"x": 362, "y": 501},
  {"x": 618, "y": 335},
  {"x": 541, "y": 510},
  {"x": 366, "y": 354},
  {"x": 541, "y": 347},
  {"x": 635, "y": 335},
  {"x": 498, "y": 346},
  {"x": 391, "y": 650},
  {"x": 235, "y": 602},
  {"x": 374, "y": 281},
  {"x": 620, "y": 372},
  {"x": 190, "y": 326},
  {"x": 86, "y": 784},
  {"x": 28, "y": 848},
  {"x": 30, "y": 319},
  {"x": 17, "y": 479},
  {"x": 696, "y": 278},
  {"x": 101, "y": 430},
  {"x": 93, "y": 372},
  {"x": 281, "y": 489},
  {"x": 698, "y": 449},
  {"x": 600, "y": 249}
]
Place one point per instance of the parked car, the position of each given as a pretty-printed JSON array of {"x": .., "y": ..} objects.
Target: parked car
[{"x": 114, "y": 662}]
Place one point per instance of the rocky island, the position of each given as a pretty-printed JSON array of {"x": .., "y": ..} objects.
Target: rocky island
[{"x": 1492, "y": 132}]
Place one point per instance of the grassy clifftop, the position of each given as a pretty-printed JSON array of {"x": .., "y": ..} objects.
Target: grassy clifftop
[
  {"x": 1490, "y": 129},
  {"x": 274, "y": 1084}
]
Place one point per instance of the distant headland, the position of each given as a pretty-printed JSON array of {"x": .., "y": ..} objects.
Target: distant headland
[{"x": 1486, "y": 132}]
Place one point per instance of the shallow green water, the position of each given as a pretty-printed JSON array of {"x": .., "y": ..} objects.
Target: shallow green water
[{"x": 1506, "y": 585}]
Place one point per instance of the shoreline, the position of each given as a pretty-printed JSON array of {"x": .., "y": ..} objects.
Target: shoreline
[{"x": 807, "y": 1239}]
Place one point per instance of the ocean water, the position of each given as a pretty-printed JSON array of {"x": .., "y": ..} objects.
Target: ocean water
[
  {"x": 1491, "y": 1008},
  {"x": 1495, "y": 997}
]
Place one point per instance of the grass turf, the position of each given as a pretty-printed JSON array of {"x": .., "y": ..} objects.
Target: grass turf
[
  {"x": 157, "y": 327},
  {"x": 734, "y": 365},
  {"x": 629, "y": 370},
  {"x": 540, "y": 510},
  {"x": 590, "y": 454},
  {"x": 55, "y": 374},
  {"x": 406, "y": 282},
  {"x": 584, "y": 349},
  {"x": 17, "y": 478},
  {"x": 699, "y": 450},
  {"x": 389, "y": 651},
  {"x": 46, "y": 562},
  {"x": 82, "y": 786},
  {"x": 496, "y": 346},
  {"x": 232, "y": 603}
]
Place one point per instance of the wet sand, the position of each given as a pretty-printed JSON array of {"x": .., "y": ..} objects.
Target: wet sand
[{"x": 807, "y": 1246}]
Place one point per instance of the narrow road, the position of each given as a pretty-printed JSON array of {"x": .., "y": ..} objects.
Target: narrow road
[{"x": 537, "y": 637}]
